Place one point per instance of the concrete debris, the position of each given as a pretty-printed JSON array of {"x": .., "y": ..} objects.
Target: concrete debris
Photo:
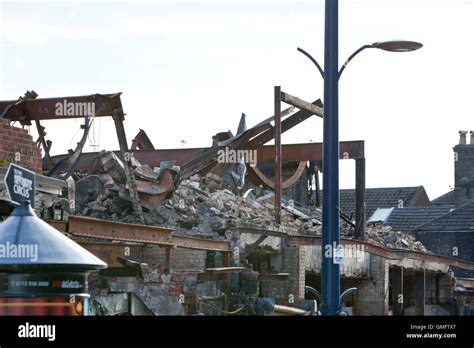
[
  {"x": 204, "y": 206},
  {"x": 146, "y": 172},
  {"x": 386, "y": 237},
  {"x": 87, "y": 189},
  {"x": 105, "y": 195},
  {"x": 54, "y": 209},
  {"x": 112, "y": 165}
]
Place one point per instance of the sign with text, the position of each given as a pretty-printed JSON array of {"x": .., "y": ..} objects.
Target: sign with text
[{"x": 20, "y": 184}]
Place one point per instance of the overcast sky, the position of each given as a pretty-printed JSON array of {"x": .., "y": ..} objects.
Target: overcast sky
[{"x": 188, "y": 69}]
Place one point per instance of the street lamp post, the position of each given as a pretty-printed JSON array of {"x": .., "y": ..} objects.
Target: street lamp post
[
  {"x": 330, "y": 277},
  {"x": 330, "y": 281}
]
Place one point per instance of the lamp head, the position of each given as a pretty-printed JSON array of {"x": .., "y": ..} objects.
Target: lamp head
[{"x": 398, "y": 46}]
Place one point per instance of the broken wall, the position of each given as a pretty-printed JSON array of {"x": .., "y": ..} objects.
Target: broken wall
[
  {"x": 14, "y": 140},
  {"x": 372, "y": 295}
]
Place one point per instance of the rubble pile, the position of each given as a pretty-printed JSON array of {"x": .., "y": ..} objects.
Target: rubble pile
[
  {"x": 201, "y": 206},
  {"x": 205, "y": 206},
  {"x": 386, "y": 237}
]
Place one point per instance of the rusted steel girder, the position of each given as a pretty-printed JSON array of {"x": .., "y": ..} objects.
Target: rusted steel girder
[
  {"x": 153, "y": 194},
  {"x": 26, "y": 110},
  {"x": 127, "y": 165},
  {"x": 287, "y": 124},
  {"x": 95, "y": 228},
  {"x": 265, "y": 154},
  {"x": 260, "y": 179},
  {"x": 142, "y": 142},
  {"x": 310, "y": 151},
  {"x": 252, "y": 138},
  {"x": 66, "y": 164}
]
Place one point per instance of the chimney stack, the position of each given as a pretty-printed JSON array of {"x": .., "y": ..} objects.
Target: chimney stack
[
  {"x": 462, "y": 137},
  {"x": 464, "y": 169}
]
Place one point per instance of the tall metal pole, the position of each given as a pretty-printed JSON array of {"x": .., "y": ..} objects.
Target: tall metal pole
[
  {"x": 330, "y": 281},
  {"x": 278, "y": 154}
]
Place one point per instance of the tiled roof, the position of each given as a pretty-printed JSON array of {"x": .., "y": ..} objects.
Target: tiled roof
[
  {"x": 387, "y": 197},
  {"x": 460, "y": 219},
  {"x": 409, "y": 218},
  {"x": 446, "y": 199}
]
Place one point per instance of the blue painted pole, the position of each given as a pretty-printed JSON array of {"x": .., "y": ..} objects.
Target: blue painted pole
[{"x": 330, "y": 281}]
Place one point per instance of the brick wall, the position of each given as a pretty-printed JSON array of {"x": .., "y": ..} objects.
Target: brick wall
[
  {"x": 294, "y": 264},
  {"x": 181, "y": 259},
  {"x": 463, "y": 174},
  {"x": 15, "y": 140},
  {"x": 372, "y": 294}
]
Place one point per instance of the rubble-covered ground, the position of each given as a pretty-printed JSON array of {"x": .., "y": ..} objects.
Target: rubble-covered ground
[{"x": 206, "y": 207}]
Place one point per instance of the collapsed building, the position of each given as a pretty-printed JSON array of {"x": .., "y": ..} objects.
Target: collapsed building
[{"x": 184, "y": 231}]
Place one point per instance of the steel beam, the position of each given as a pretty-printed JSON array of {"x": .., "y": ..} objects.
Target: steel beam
[
  {"x": 200, "y": 243},
  {"x": 127, "y": 165},
  {"x": 265, "y": 154},
  {"x": 27, "y": 110},
  {"x": 95, "y": 228},
  {"x": 258, "y": 178},
  {"x": 142, "y": 141},
  {"x": 277, "y": 168},
  {"x": 287, "y": 124}
]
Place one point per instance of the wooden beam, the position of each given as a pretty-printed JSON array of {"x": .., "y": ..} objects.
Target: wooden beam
[{"x": 301, "y": 104}]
